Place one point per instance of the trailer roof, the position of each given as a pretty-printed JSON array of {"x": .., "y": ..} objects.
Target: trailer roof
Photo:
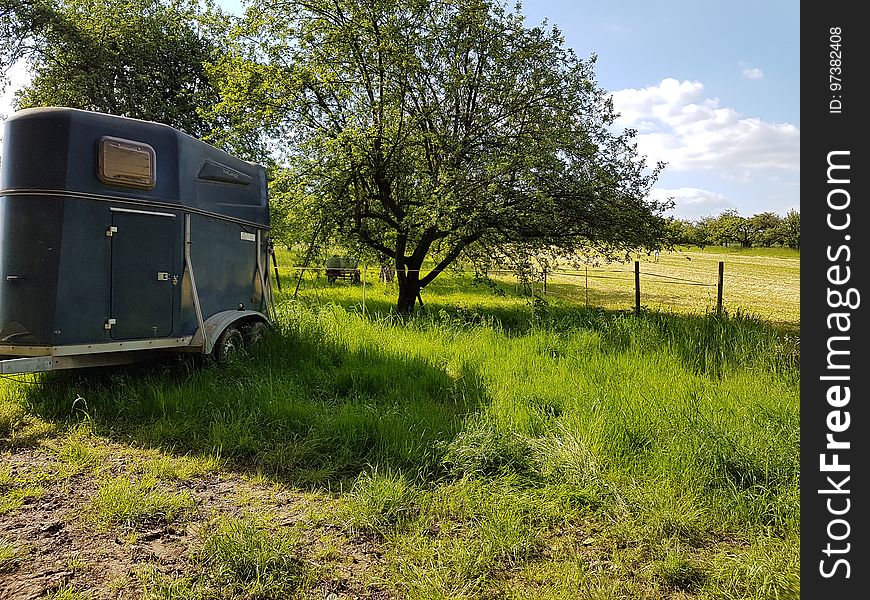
[{"x": 84, "y": 152}]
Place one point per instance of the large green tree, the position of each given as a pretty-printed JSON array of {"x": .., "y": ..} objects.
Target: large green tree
[
  {"x": 423, "y": 130},
  {"x": 145, "y": 59}
]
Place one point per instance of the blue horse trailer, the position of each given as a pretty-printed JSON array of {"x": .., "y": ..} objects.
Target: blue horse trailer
[{"x": 121, "y": 238}]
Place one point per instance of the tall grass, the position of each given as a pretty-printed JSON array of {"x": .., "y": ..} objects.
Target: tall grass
[{"x": 473, "y": 442}]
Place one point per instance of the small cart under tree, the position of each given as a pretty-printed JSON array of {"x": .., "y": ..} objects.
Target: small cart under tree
[{"x": 342, "y": 267}]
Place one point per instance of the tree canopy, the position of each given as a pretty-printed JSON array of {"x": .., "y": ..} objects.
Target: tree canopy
[
  {"x": 18, "y": 20},
  {"x": 423, "y": 129},
  {"x": 145, "y": 59}
]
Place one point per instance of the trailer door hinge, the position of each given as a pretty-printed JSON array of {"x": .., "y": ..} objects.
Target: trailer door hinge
[
  {"x": 162, "y": 276},
  {"x": 109, "y": 323},
  {"x": 111, "y": 231}
]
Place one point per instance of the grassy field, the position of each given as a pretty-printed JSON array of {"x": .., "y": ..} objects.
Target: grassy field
[
  {"x": 763, "y": 283},
  {"x": 489, "y": 447}
]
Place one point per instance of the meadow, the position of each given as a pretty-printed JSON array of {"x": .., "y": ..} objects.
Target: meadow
[
  {"x": 502, "y": 443},
  {"x": 763, "y": 283}
]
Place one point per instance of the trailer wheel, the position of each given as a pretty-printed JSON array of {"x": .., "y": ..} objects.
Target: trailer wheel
[
  {"x": 228, "y": 344},
  {"x": 255, "y": 333}
]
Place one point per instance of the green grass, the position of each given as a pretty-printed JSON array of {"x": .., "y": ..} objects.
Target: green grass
[
  {"x": 159, "y": 466},
  {"x": 737, "y": 250},
  {"x": 18, "y": 428},
  {"x": 493, "y": 447},
  {"x": 11, "y": 556},
  {"x": 381, "y": 502},
  {"x": 67, "y": 592},
  {"x": 236, "y": 557},
  {"x": 253, "y": 553},
  {"x": 136, "y": 504},
  {"x": 12, "y": 417},
  {"x": 79, "y": 451},
  {"x": 17, "y": 489}
]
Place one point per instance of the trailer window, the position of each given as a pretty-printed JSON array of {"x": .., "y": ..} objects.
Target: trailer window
[{"x": 126, "y": 162}]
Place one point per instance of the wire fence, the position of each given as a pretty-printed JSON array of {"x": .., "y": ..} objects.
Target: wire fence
[{"x": 609, "y": 286}]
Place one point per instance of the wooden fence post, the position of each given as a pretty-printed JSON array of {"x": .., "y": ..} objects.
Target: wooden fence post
[
  {"x": 637, "y": 287},
  {"x": 719, "y": 291}
]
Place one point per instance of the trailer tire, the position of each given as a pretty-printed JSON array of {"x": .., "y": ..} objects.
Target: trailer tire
[
  {"x": 229, "y": 344},
  {"x": 255, "y": 333}
]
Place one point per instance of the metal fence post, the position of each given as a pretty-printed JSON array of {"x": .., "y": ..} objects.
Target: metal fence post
[
  {"x": 586, "y": 285},
  {"x": 637, "y": 287},
  {"x": 719, "y": 291},
  {"x": 364, "y": 290},
  {"x": 532, "y": 294}
]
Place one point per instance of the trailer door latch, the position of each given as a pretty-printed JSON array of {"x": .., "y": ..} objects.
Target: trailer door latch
[
  {"x": 162, "y": 276},
  {"x": 111, "y": 231},
  {"x": 109, "y": 323}
]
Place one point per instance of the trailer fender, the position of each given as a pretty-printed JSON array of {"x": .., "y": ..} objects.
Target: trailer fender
[{"x": 215, "y": 325}]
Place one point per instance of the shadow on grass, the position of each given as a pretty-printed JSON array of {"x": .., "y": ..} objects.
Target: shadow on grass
[
  {"x": 310, "y": 407},
  {"x": 301, "y": 408}
]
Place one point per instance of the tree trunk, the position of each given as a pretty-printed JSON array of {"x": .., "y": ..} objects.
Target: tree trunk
[{"x": 409, "y": 291}]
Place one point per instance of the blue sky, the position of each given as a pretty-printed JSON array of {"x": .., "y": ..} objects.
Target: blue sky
[{"x": 712, "y": 88}]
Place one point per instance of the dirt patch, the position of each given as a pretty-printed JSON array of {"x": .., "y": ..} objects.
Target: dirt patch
[{"x": 55, "y": 545}]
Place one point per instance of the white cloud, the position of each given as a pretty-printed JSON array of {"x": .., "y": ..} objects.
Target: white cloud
[
  {"x": 753, "y": 73},
  {"x": 678, "y": 125},
  {"x": 693, "y": 203}
]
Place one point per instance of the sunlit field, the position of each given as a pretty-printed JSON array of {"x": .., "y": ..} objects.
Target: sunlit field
[{"x": 761, "y": 282}]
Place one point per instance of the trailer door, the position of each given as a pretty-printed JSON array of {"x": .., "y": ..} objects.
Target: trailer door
[{"x": 143, "y": 255}]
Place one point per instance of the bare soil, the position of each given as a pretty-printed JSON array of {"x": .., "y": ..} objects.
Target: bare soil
[{"x": 61, "y": 548}]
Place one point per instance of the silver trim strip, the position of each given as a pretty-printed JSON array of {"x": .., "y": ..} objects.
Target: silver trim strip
[
  {"x": 142, "y": 212},
  {"x": 156, "y": 203},
  {"x": 74, "y": 349}
]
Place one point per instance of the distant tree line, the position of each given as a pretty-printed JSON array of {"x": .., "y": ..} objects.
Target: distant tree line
[{"x": 729, "y": 228}]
